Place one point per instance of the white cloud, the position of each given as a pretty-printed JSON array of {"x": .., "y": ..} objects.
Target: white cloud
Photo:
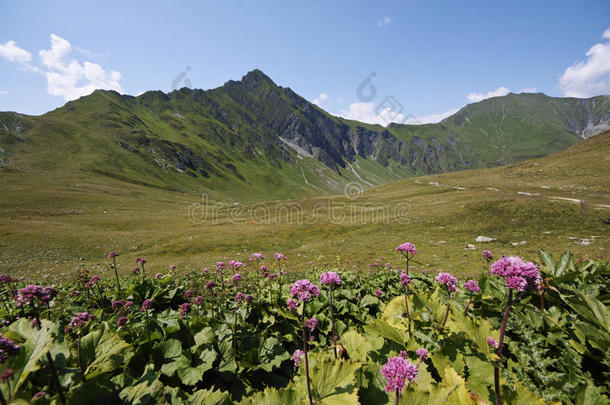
[
  {"x": 475, "y": 97},
  {"x": 591, "y": 77},
  {"x": 371, "y": 113},
  {"x": 431, "y": 118},
  {"x": 71, "y": 79},
  {"x": 4, "y": 92},
  {"x": 528, "y": 90},
  {"x": 13, "y": 53},
  {"x": 320, "y": 99},
  {"x": 385, "y": 21}
]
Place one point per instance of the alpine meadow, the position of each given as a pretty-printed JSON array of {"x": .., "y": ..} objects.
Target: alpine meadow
[{"x": 335, "y": 242}]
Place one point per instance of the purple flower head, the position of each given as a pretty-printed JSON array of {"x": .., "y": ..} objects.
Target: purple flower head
[
  {"x": 39, "y": 395},
  {"x": 34, "y": 295},
  {"x": 112, "y": 255},
  {"x": 122, "y": 321},
  {"x": 487, "y": 254},
  {"x": 448, "y": 280},
  {"x": 309, "y": 264},
  {"x": 141, "y": 260},
  {"x": 378, "y": 293},
  {"x": 248, "y": 298},
  {"x": 128, "y": 305},
  {"x": 398, "y": 372},
  {"x": 304, "y": 290},
  {"x": 238, "y": 265},
  {"x": 93, "y": 281},
  {"x": 272, "y": 276},
  {"x": 172, "y": 267},
  {"x": 279, "y": 257},
  {"x": 210, "y": 284},
  {"x": 236, "y": 278},
  {"x": 257, "y": 256},
  {"x": 220, "y": 265},
  {"x": 330, "y": 278},
  {"x": 491, "y": 342},
  {"x": 146, "y": 305},
  {"x": 118, "y": 304},
  {"x": 292, "y": 304},
  {"x": 404, "y": 278},
  {"x": 185, "y": 308},
  {"x": 296, "y": 357},
  {"x": 7, "y": 348},
  {"x": 426, "y": 271},
  {"x": 311, "y": 323},
  {"x": 198, "y": 300},
  {"x": 421, "y": 353},
  {"x": 472, "y": 286},
  {"x": 239, "y": 297},
  {"x": 388, "y": 265},
  {"x": 159, "y": 275},
  {"x": 6, "y": 279},
  {"x": 80, "y": 320},
  {"x": 407, "y": 249},
  {"x": 135, "y": 270},
  {"x": 517, "y": 273},
  {"x": 188, "y": 294}
]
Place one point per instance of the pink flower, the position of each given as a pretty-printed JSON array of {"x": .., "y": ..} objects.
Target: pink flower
[
  {"x": 146, "y": 304},
  {"x": 7, "y": 348},
  {"x": 491, "y": 342},
  {"x": 204, "y": 272},
  {"x": 80, "y": 320},
  {"x": 238, "y": 265},
  {"x": 209, "y": 285},
  {"x": 112, "y": 254},
  {"x": 448, "y": 280},
  {"x": 159, "y": 275},
  {"x": 239, "y": 297},
  {"x": 378, "y": 293},
  {"x": 472, "y": 286},
  {"x": 388, "y": 265},
  {"x": 6, "y": 375},
  {"x": 248, "y": 298},
  {"x": 517, "y": 273},
  {"x": 236, "y": 278},
  {"x": 172, "y": 267},
  {"x": 398, "y": 372},
  {"x": 421, "y": 353},
  {"x": 272, "y": 276},
  {"x": 122, "y": 321},
  {"x": 330, "y": 278},
  {"x": 135, "y": 270},
  {"x": 304, "y": 290},
  {"x": 404, "y": 278},
  {"x": 141, "y": 260},
  {"x": 292, "y": 304},
  {"x": 407, "y": 249},
  {"x": 257, "y": 256},
  {"x": 220, "y": 265},
  {"x": 188, "y": 294},
  {"x": 279, "y": 257},
  {"x": 93, "y": 281},
  {"x": 311, "y": 324},
  {"x": 39, "y": 394},
  {"x": 487, "y": 254},
  {"x": 198, "y": 300},
  {"x": 185, "y": 308},
  {"x": 296, "y": 357}
]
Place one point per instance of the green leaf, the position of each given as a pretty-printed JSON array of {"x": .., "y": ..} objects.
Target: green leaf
[
  {"x": 145, "y": 390},
  {"x": 359, "y": 346},
  {"x": 272, "y": 396},
  {"x": 103, "y": 351},
  {"x": 564, "y": 263},
  {"x": 36, "y": 344},
  {"x": 548, "y": 261},
  {"x": 332, "y": 381},
  {"x": 385, "y": 330},
  {"x": 271, "y": 354}
]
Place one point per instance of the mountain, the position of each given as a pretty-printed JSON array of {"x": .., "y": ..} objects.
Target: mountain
[{"x": 252, "y": 139}]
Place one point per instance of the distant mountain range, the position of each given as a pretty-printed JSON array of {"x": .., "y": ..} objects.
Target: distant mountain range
[{"x": 251, "y": 139}]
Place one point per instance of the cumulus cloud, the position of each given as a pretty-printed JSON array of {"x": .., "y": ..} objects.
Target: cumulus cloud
[
  {"x": 371, "y": 113},
  {"x": 13, "y": 53},
  {"x": 475, "y": 97},
  {"x": 4, "y": 92},
  {"x": 592, "y": 76},
  {"x": 385, "y": 21},
  {"x": 320, "y": 99},
  {"x": 431, "y": 118},
  {"x": 70, "y": 79}
]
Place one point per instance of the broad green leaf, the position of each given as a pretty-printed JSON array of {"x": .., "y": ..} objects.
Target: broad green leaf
[
  {"x": 103, "y": 351},
  {"x": 564, "y": 263},
  {"x": 272, "y": 396},
  {"x": 385, "y": 330},
  {"x": 34, "y": 344},
  {"x": 548, "y": 261},
  {"x": 359, "y": 346},
  {"x": 146, "y": 390},
  {"x": 271, "y": 354}
]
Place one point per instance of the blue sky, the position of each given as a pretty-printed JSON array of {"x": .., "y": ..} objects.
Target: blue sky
[{"x": 429, "y": 57}]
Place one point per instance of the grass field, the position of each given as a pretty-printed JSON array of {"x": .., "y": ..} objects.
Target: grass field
[{"x": 51, "y": 226}]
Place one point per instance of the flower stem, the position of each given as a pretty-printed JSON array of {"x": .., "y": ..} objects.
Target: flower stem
[
  {"x": 306, "y": 358},
  {"x": 407, "y": 308},
  {"x": 397, "y": 397},
  {"x": 448, "y": 309},
  {"x": 116, "y": 273},
  {"x": 468, "y": 304},
  {"x": 80, "y": 362},
  {"x": 332, "y": 318},
  {"x": 500, "y": 345}
]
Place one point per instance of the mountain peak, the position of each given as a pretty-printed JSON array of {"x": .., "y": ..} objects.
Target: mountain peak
[{"x": 255, "y": 78}]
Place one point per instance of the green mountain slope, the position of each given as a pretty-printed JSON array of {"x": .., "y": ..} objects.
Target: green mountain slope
[{"x": 252, "y": 140}]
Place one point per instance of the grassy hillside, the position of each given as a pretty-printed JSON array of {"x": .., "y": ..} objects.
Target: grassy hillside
[{"x": 52, "y": 227}]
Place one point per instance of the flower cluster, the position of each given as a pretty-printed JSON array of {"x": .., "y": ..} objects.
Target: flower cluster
[
  {"x": 378, "y": 293},
  {"x": 236, "y": 278},
  {"x": 421, "y": 353},
  {"x": 491, "y": 342},
  {"x": 297, "y": 356},
  {"x": 146, "y": 305},
  {"x": 398, "y": 372},
  {"x": 6, "y": 375},
  {"x": 330, "y": 278},
  {"x": 404, "y": 278},
  {"x": 80, "y": 320},
  {"x": 487, "y": 255},
  {"x": 304, "y": 290},
  {"x": 122, "y": 306},
  {"x": 279, "y": 257},
  {"x": 6, "y": 279},
  {"x": 141, "y": 261},
  {"x": 311, "y": 324},
  {"x": 292, "y": 304},
  {"x": 472, "y": 286},
  {"x": 407, "y": 249},
  {"x": 518, "y": 274},
  {"x": 257, "y": 256},
  {"x": 93, "y": 281},
  {"x": 185, "y": 308},
  {"x": 448, "y": 280},
  {"x": 34, "y": 294},
  {"x": 112, "y": 255},
  {"x": 7, "y": 348}
]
